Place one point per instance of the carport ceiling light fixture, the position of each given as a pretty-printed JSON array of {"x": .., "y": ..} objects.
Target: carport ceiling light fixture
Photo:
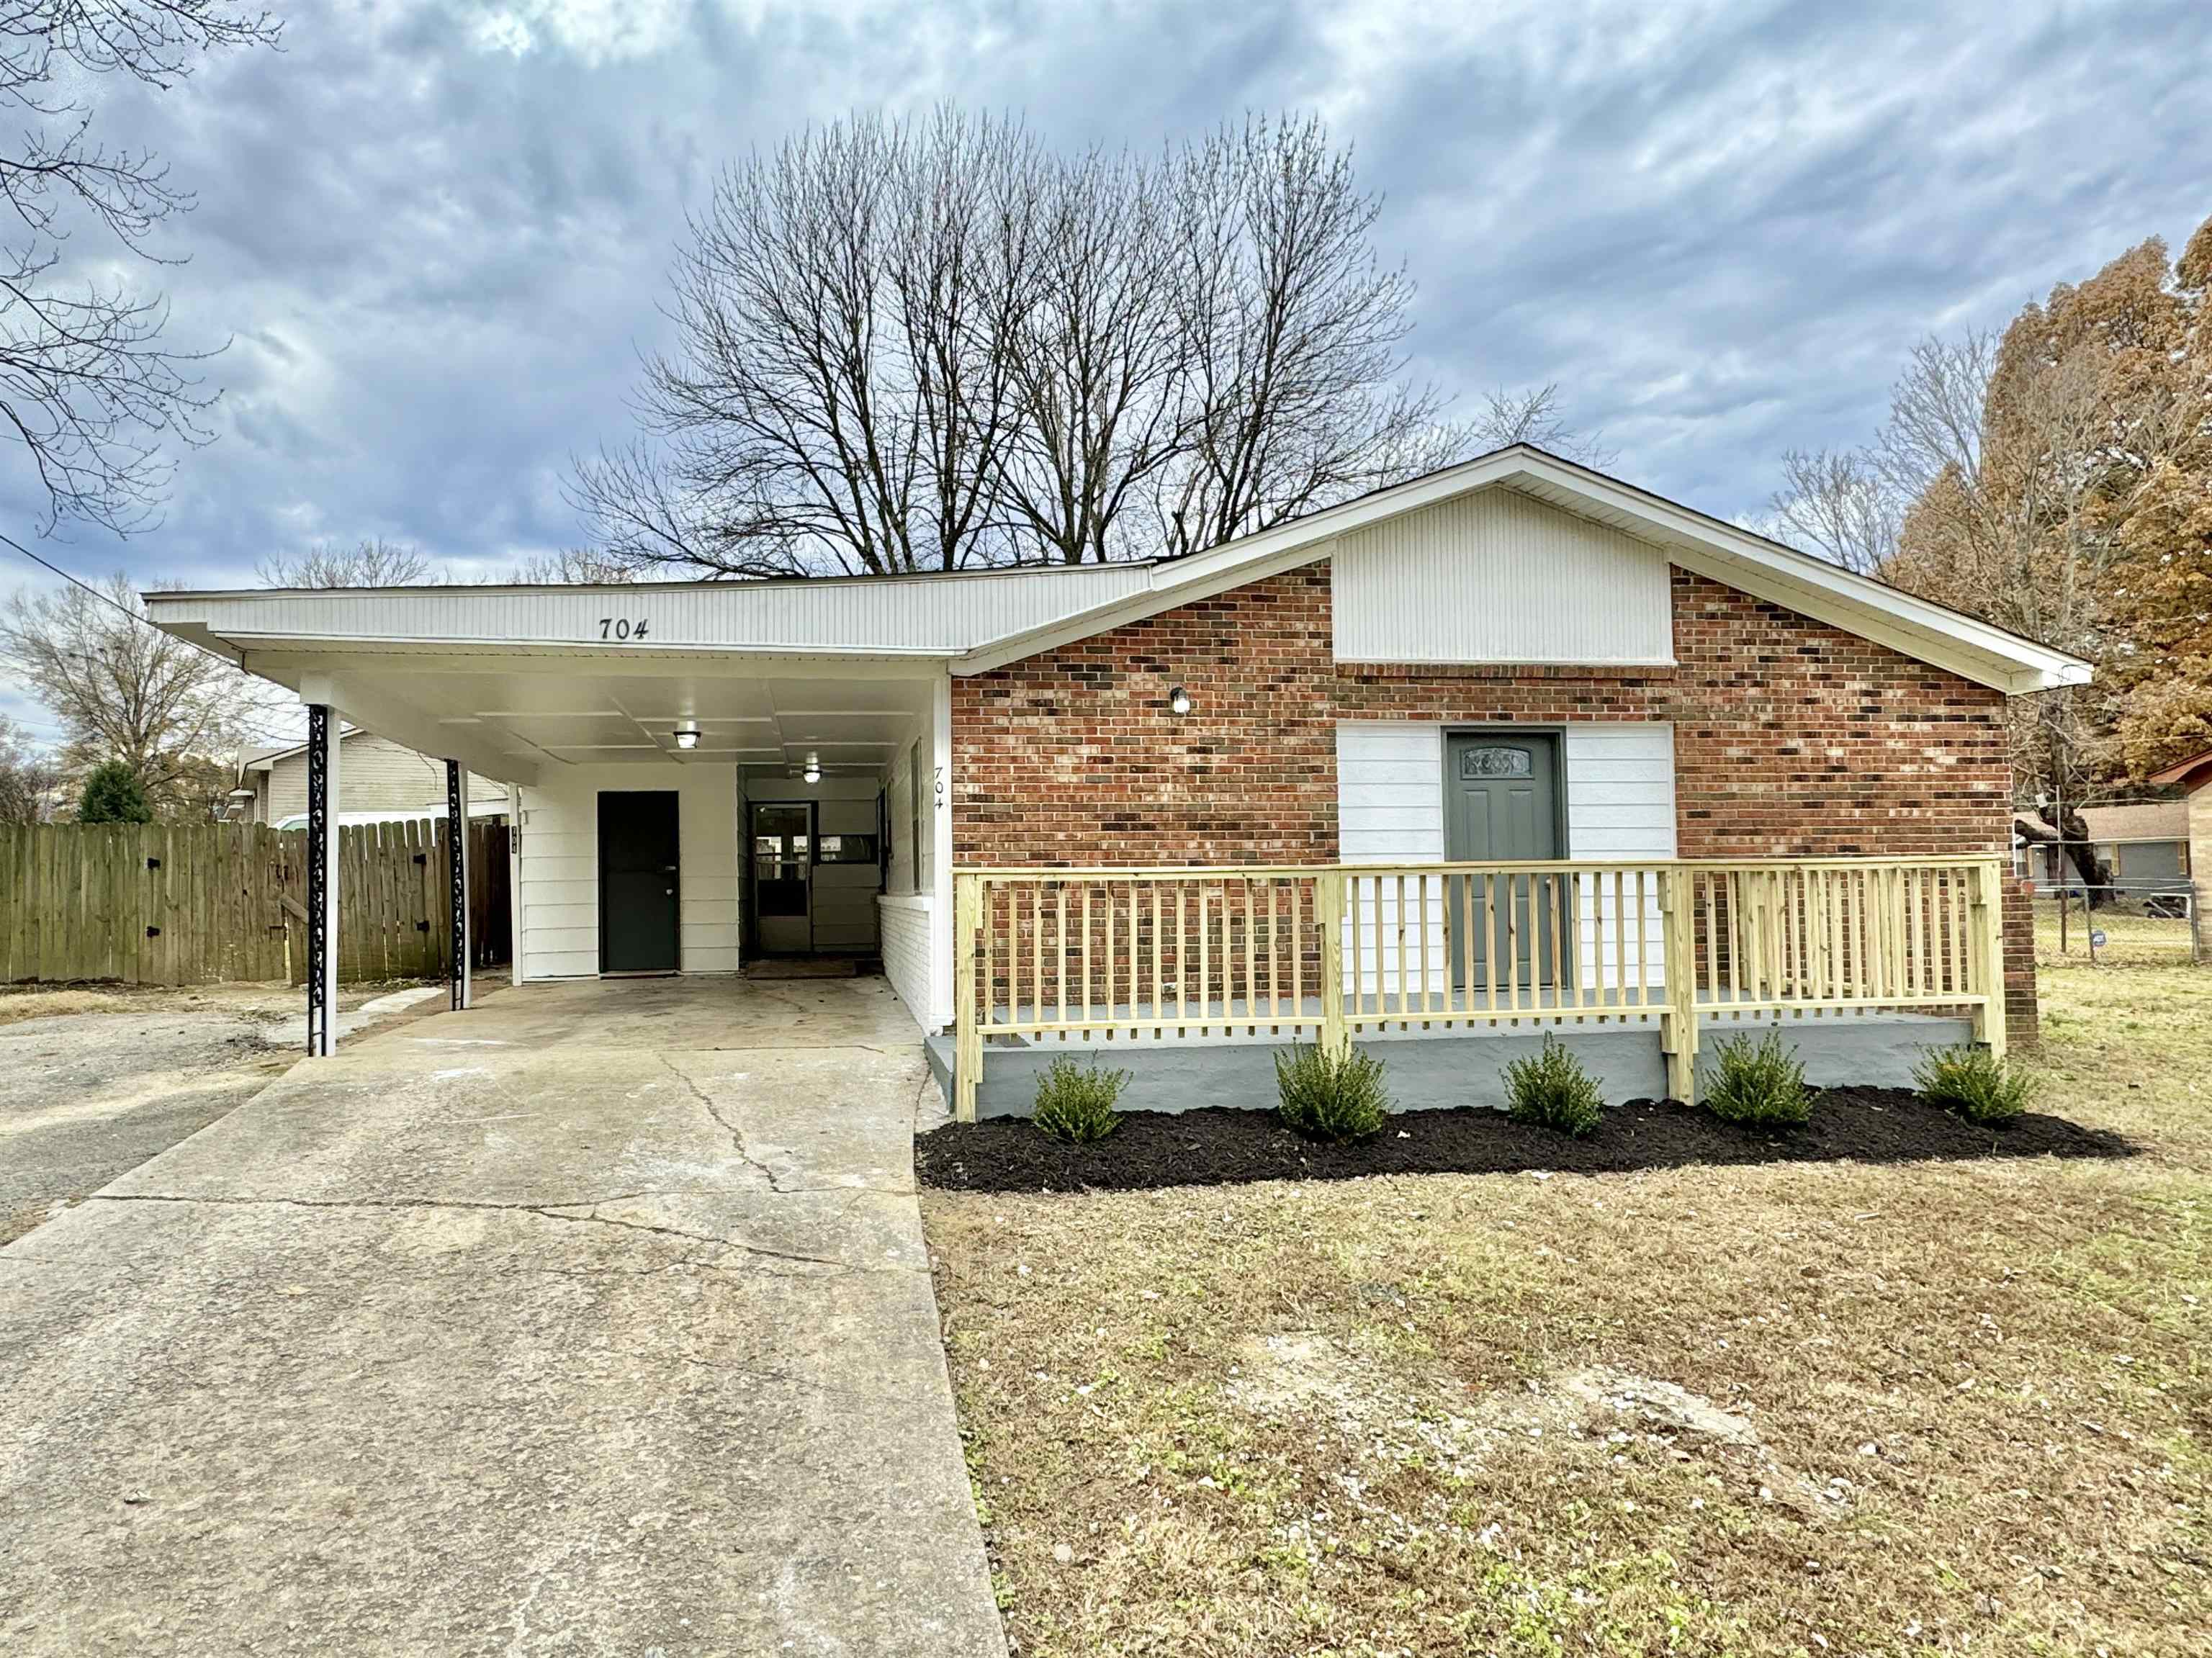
[
  {"x": 813, "y": 772},
  {"x": 687, "y": 736},
  {"x": 1178, "y": 700}
]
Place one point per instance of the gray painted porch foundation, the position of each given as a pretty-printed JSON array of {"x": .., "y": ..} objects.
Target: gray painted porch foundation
[{"x": 1438, "y": 1068}]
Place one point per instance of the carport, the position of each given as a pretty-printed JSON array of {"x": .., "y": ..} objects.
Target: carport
[{"x": 704, "y": 773}]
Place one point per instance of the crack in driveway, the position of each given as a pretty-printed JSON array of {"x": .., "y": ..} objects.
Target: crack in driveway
[{"x": 559, "y": 1211}]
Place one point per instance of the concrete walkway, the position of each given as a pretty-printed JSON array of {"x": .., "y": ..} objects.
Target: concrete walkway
[{"x": 595, "y": 1320}]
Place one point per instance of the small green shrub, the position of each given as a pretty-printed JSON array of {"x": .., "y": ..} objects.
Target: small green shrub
[
  {"x": 1331, "y": 1095},
  {"x": 1759, "y": 1084},
  {"x": 1974, "y": 1083},
  {"x": 1076, "y": 1101},
  {"x": 1552, "y": 1091}
]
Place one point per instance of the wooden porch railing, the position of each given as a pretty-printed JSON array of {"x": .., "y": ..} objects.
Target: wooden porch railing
[{"x": 1328, "y": 952}]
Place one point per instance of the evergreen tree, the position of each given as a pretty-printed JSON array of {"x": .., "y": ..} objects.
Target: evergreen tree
[{"x": 111, "y": 795}]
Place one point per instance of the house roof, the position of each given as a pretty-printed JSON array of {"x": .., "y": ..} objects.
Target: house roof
[
  {"x": 265, "y": 759},
  {"x": 2138, "y": 820},
  {"x": 2190, "y": 775},
  {"x": 1696, "y": 541},
  {"x": 974, "y": 622}
]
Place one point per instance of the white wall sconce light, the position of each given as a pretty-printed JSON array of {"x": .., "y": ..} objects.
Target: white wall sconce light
[
  {"x": 687, "y": 736},
  {"x": 1178, "y": 700}
]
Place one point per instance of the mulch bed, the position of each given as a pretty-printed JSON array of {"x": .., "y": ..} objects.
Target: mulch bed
[{"x": 1219, "y": 1145}]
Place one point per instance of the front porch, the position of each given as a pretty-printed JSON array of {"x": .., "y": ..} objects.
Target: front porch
[{"x": 1861, "y": 962}]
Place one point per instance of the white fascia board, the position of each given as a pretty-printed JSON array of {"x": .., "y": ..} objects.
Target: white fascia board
[{"x": 1827, "y": 592}]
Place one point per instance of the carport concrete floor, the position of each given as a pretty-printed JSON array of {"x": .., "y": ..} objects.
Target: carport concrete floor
[{"x": 594, "y": 1319}]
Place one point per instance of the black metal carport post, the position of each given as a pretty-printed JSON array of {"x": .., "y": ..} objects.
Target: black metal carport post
[
  {"x": 457, "y": 875},
  {"x": 322, "y": 879}
]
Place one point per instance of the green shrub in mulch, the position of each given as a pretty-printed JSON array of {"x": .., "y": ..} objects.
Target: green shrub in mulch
[
  {"x": 1552, "y": 1091},
  {"x": 1331, "y": 1093},
  {"x": 1759, "y": 1085},
  {"x": 1076, "y": 1101},
  {"x": 1974, "y": 1083}
]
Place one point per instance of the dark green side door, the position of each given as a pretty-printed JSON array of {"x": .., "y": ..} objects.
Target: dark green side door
[
  {"x": 638, "y": 881},
  {"x": 1502, "y": 805}
]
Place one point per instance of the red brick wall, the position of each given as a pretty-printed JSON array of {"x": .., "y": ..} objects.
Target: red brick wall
[
  {"x": 1072, "y": 756},
  {"x": 1792, "y": 738}
]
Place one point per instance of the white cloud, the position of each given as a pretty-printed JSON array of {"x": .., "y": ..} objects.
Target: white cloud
[
  {"x": 596, "y": 31},
  {"x": 436, "y": 232}
]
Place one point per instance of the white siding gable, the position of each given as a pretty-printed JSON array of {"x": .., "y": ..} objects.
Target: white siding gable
[{"x": 1499, "y": 577}]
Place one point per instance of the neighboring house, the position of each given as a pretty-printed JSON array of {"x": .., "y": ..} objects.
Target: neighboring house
[
  {"x": 1515, "y": 658},
  {"x": 379, "y": 780},
  {"x": 2145, "y": 844},
  {"x": 2193, "y": 777}
]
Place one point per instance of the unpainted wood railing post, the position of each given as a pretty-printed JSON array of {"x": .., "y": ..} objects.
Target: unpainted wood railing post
[
  {"x": 1328, "y": 907},
  {"x": 1678, "y": 1033},
  {"x": 1987, "y": 910},
  {"x": 967, "y": 1033}
]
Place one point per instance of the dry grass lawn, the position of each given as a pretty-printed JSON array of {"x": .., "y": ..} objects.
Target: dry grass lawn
[{"x": 1839, "y": 1409}]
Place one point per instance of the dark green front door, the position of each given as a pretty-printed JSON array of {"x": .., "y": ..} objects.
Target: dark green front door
[
  {"x": 639, "y": 880},
  {"x": 1502, "y": 805}
]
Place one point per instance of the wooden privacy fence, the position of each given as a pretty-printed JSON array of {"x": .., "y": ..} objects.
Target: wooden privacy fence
[
  {"x": 1335, "y": 951},
  {"x": 197, "y": 903}
]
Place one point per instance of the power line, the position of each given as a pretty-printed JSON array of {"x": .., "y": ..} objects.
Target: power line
[{"x": 124, "y": 611}]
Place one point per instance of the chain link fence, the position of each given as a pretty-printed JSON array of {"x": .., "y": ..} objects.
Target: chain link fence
[{"x": 2126, "y": 923}]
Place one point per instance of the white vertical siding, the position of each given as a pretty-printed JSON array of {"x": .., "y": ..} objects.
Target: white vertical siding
[
  {"x": 1390, "y": 794},
  {"x": 557, "y": 894},
  {"x": 1497, "y": 577}
]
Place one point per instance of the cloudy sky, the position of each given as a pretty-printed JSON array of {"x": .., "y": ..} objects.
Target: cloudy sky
[{"x": 435, "y": 231}]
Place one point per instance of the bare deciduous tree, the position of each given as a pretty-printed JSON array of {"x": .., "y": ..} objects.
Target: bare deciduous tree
[
  {"x": 921, "y": 346},
  {"x": 29, "y": 779},
  {"x": 1098, "y": 353},
  {"x": 837, "y": 399},
  {"x": 372, "y": 561},
  {"x": 1838, "y": 503},
  {"x": 86, "y": 388},
  {"x": 122, "y": 690},
  {"x": 1294, "y": 329},
  {"x": 575, "y": 566},
  {"x": 1532, "y": 415}
]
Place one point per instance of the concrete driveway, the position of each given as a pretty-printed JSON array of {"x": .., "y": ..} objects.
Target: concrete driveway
[{"x": 595, "y": 1320}]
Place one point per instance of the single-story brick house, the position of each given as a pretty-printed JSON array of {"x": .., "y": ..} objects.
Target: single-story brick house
[{"x": 1512, "y": 745}]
